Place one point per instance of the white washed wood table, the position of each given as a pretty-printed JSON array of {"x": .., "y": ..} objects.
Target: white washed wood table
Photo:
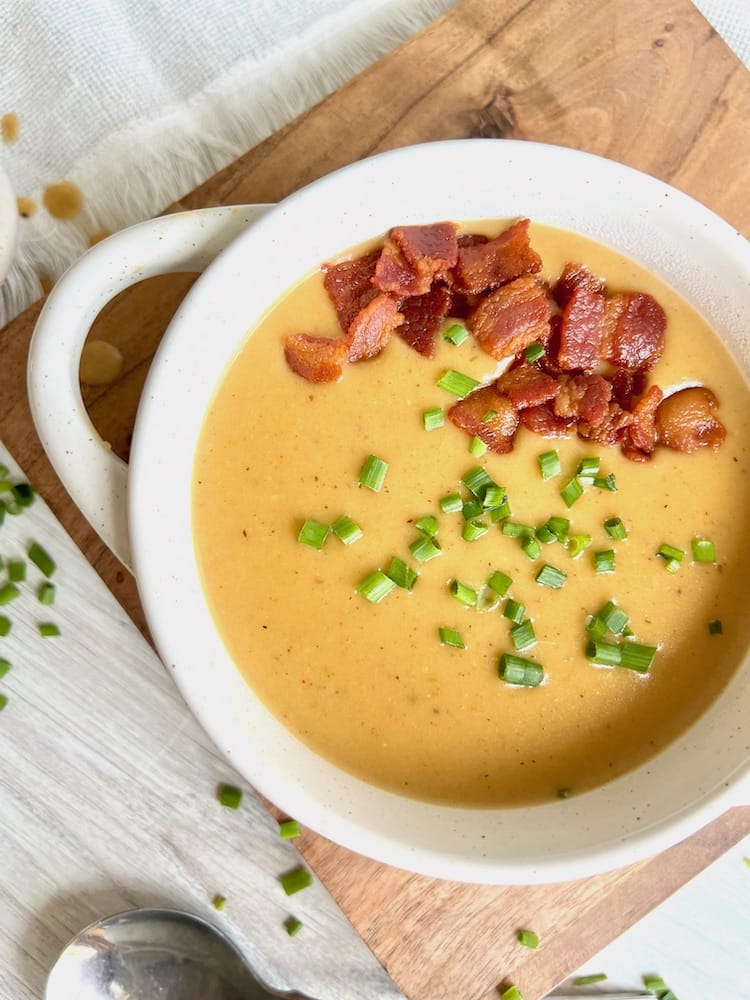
[{"x": 108, "y": 798}]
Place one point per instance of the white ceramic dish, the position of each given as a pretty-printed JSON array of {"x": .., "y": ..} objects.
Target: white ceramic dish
[
  {"x": 8, "y": 224},
  {"x": 694, "y": 780}
]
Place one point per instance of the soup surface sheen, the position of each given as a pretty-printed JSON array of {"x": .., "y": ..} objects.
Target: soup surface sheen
[{"x": 369, "y": 686}]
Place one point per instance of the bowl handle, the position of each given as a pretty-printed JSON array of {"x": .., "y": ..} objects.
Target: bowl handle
[{"x": 93, "y": 475}]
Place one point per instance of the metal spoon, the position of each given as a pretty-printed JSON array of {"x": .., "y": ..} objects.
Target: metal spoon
[{"x": 154, "y": 953}]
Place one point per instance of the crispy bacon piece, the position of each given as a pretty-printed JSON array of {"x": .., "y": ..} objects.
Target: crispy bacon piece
[
  {"x": 526, "y": 385},
  {"x": 372, "y": 328},
  {"x": 484, "y": 266},
  {"x": 581, "y": 330},
  {"x": 633, "y": 333},
  {"x": 394, "y": 274},
  {"x": 497, "y": 432},
  {"x": 423, "y": 315},
  {"x": 428, "y": 249},
  {"x": 572, "y": 277},
  {"x": 317, "y": 359},
  {"x": 512, "y": 317},
  {"x": 585, "y": 397},
  {"x": 639, "y": 440},
  {"x": 542, "y": 420},
  {"x": 610, "y": 430},
  {"x": 626, "y": 385},
  {"x": 472, "y": 240},
  {"x": 349, "y": 285},
  {"x": 686, "y": 420}
]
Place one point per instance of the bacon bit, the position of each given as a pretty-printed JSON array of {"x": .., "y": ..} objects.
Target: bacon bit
[
  {"x": 428, "y": 249},
  {"x": 581, "y": 330},
  {"x": 686, "y": 421},
  {"x": 572, "y": 277},
  {"x": 512, "y": 317},
  {"x": 460, "y": 304},
  {"x": 626, "y": 385},
  {"x": 585, "y": 397},
  {"x": 394, "y": 274},
  {"x": 634, "y": 326},
  {"x": 317, "y": 359},
  {"x": 542, "y": 420},
  {"x": 472, "y": 240},
  {"x": 372, "y": 328},
  {"x": 526, "y": 385},
  {"x": 610, "y": 430},
  {"x": 639, "y": 440},
  {"x": 423, "y": 315},
  {"x": 483, "y": 266},
  {"x": 349, "y": 286},
  {"x": 497, "y": 432}
]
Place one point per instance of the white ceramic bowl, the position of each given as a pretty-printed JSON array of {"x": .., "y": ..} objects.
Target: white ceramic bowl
[
  {"x": 8, "y": 224},
  {"x": 691, "y": 782}
]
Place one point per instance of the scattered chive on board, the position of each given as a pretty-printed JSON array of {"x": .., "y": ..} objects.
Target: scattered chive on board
[
  {"x": 289, "y": 829},
  {"x": 296, "y": 880},
  {"x": 595, "y": 977},
  {"x": 219, "y": 902},
  {"x": 48, "y": 629},
  {"x": 230, "y": 796},
  {"x": 457, "y": 383},
  {"x": 373, "y": 472},
  {"x": 433, "y": 418},
  {"x": 42, "y": 559},
  {"x": 528, "y": 939},
  {"x": 5, "y": 625},
  {"x": 450, "y": 637},
  {"x": 3, "y": 701},
  {"x": 654, "y": 984},
  {"x": 9, "y": 592},
  {"x": 16, "y": 570},
  {"x": 512, "y": 993},
  {"x": 293, "y": 926},
  {"x": 46, "y": 594},
  {"x": 5, "y": 666}
]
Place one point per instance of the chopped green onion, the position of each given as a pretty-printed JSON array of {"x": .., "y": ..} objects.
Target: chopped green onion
[
  {"x": 607, "y": 654},
  {"x": 477, "y": 480},
  {"x": 427, "y": 525},
  {"x": 16, "y": 570},
  {"x": 373, "y": 473},
  {"x": 46, "y": 594},
  {"x": 501, "y": 512},
  {"x": 714, "y": 628},
  {"x": 549, "y": 464},
  {"x": 615, "y": 528},
  {"x": 219, "y": 902},
  {"x": 5, "y": 625},
  {"x": 425, "y": 548},
  {"x": 514, "y": 529},
  {"x": 517, "y": 670},
  {"x": 551, "y": 576},
  {"x": 9, "y": 592},
  {"x": 533, "y": 352},
  {"x": 606, "y": 483},
  {"x": 564, "y": 792},
  {"x": 474, "y": 529},
  {"x": 604, "y": 561},
  {"x": 560, "y": 526},
  {"x": 545, "y": 534},
  {"x": 463, "y": 593},
  {"x": 636, "y": 656},
  {"x": 596, "y": 977},
  {"x": 42, "y": 559},
  {"x": 704, "y": 551},
  {"x": 457, "y": 383},
  {"x": 499, "y": 582},
  {"x": 296, "y": 880},
  {"x": 23, "y": 494},
  {"x": 401, "y": 574},
  {"x": 230, "y": 796},
  {"x": 588, "y": 468},
  {"x": 451, "y": 503},
  {"x": 571, "y": 492},
  {"x": 3, "y": 701},
  {"x": 596, "y": 628},
  {"x": 472, "y": 509},
  {"x": 375, "y": 586},
  {"x": 5, "y": 666},
  {"x": 528, "y": 939},
  {"x": 512, "y": 993},
  {"x": 672, "y": 565},
  {"x": 293, "y": 926},
  {"x": 289, "y": 829},
  {"x": 477, "y": 447},
  {"x": 450, "y": 637},
  {"x": 614, "y": 618},
  {"x": 671, "y": 554},
  {"x": 433, "y": 418},
  {"x": 456, "y": 334},
  {"x": 4, "y": 471},
  {"x": 494, "y": 496},
  {"x": 488, "y": 416},
  {"x": 654, "y": 984},
  {"x": 531, "y": 547},
  {"x": 577, "y": 544},
  {"x": 314, "y": 534},
  {"x": 347, "y": 530},
  {"x": 523, "y": 635},
  {"x": 514, "y": 611}
]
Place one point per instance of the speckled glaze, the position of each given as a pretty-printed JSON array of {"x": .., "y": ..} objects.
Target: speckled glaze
[
  {"x": 8, "y": 224},
  {"x": 691, "y": 782}
]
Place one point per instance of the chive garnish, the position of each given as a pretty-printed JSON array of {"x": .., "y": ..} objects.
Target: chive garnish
[
  {"x": 16, "y": 570},
  {"x": 514, "y": 529},
  {"x": 456, "y": 334},
  {"x": 671, "y": 553},
  {"x": 293, "y": 926},
  {"x": 23, "y": 494},
  {"x": 219, "y": 902},
  {"x": 5, "y": 625},
  {"x": 471, "y": 509},
  {"x": 514, "y": 611},
  {"x": 451, "y": 503},
  {"x": 401, "y": 574},
  {"x": 549, "y": 464},
  {"x": 501, "y": 512},
  {"x": 296, "y": 880},
  {"x": 654, "y": 984},
  {"x": 375, "y": 586},
  {"x": 4, "y": 471},
  {"x": 533, "y": 352},
  {"x": 5, "y": 666},
  {"x": 577, "y": 544},
  {"x": 425, "y": 548},
  {"x": 433, "y": 418},
  {"x": 500, "y": 583},
  {"x": 230, "y": 796},
  {"x": 571, "y": 492},
  {"x": 488, "y": 600},
  {"x": 347, "y": 530},
  {"x": 560, "y": 526},
  {"x": 494, "y": 496},
  {"x": 596, "y": 628},
  {"x": 3, "y": 701},
  {"x": 42, "y": 559},
  {"x": 517, "y": 670},
  {"x": 477, "y": 447},
  {"x": 457, "y": 383},
  {"x": 450, "y": 637},
  {"x": 474, "y": 529},
  {"x": 463, "y": 593},
  {"x": 488, "y": 416},
  {"x": 523, "y": 635},
  {"x": 604, "y": 561},
  {"x": 596, "y": 977},
  {"x": 606, "y": 483},
  {"x": 636, "y": 656},
  {"x": 545, "y": 534},
  {"x": 477, "y": 480},
  {"x": 564, "y": 792},
  {"x": 588, "y": 468},
  {"x": 373, "y": 473},
  {"x": 46, "y": 594},
  {"x": 528, "y": 939},
  {"x": 615, "y": 529},
  {"x": 427, "y": 525},
  {"x": 512, "y": 993},
  {"x": 715, "y": 627},
  {"x": 704, "y": 550},
  {"x": 314, "y": 534},
  {"x": 289, "y": 829},
  {"x": 614, "y": 618},
  {"x": 531, "y": 547},
  {"x": 9, "y": 592},
  {"x": 551, "y": 576},
  {"x": 607, "y": 654}
]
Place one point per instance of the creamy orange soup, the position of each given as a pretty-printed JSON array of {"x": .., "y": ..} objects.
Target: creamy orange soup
[{"x": 369, "y": 686}]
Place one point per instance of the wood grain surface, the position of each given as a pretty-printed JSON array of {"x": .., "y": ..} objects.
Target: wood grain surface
[{"x": 648, "y": 83}]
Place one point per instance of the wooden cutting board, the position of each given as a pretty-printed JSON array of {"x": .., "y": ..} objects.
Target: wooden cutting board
[{"x": 648, "y": 83}]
